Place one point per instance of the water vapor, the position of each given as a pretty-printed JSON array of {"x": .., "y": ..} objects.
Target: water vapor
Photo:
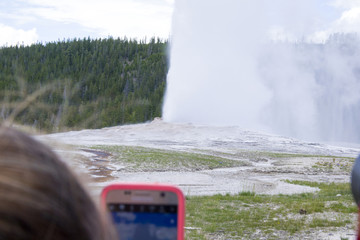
[{"x": 261, "y": 66}]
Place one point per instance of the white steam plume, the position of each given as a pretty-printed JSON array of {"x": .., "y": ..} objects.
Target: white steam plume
[{"x": 251, "y": 63}]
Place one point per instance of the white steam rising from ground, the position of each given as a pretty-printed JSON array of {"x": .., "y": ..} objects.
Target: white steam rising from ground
[{"x": 279, "y": 67}]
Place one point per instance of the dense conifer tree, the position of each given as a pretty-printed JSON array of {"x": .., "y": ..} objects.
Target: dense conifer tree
[{"x": 83, "y": 83}]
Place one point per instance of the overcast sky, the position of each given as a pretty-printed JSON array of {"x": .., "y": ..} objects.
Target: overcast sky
[{"x": 31, "y": 21}]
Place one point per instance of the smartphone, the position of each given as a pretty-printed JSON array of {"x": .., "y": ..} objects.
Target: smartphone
[{"x": 145, "y": 211}]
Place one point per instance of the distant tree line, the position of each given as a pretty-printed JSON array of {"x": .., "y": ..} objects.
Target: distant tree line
[{"x": 83, "y": 83}]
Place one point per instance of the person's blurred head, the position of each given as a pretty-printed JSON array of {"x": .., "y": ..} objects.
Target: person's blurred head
[{"x": 40, "y": 198}]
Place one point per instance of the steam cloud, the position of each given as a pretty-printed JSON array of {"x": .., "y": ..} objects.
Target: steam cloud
[{"x": 276, "y": 67}]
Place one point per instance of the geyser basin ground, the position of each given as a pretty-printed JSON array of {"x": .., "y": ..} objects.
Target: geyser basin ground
[{"x": 204, "y": 160}]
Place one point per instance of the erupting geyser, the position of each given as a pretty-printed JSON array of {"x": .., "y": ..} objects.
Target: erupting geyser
[{"x": 286, "y": 67}]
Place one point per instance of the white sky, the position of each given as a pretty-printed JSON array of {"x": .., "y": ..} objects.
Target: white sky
[
  {"x": 31, "y": 21},
  {"x": 347, "y": 21}
]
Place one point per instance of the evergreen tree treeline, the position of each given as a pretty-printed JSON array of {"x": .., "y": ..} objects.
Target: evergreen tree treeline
[{"x": 88, "y": 83}]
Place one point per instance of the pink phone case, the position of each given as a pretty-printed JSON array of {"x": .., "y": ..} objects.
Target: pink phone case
[{"x": 153, "y": 187}]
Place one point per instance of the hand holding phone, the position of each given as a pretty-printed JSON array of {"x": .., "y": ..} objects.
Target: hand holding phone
[{"x": 145, "y": 211}]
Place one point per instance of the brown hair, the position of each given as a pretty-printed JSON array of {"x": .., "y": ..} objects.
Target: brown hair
[{"x": 40, "y": 198}]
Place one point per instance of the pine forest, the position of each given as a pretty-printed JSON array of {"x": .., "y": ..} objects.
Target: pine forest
[{"x": 83, "y": 83}]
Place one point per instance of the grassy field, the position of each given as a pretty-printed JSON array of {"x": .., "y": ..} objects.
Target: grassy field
[
  {"x": 251, "y": 216},
  {"x": 248, "y": 215},
  {"x": 149, "y": 159}
]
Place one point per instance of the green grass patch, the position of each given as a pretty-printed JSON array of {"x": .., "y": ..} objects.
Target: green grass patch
[
  {"x": 252, "y": 216},
  {"x": 335, "y": 163},
  {"x": 259, "y": 155},
  {"x": 326, "y": 163},
  {"x": 150, "y": 159},
  {"x": 281, "y": 155}
]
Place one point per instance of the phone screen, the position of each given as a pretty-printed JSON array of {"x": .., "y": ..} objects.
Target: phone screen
[
  {"x": 154, "y": 213},
  {"x": 143, "y": 221}
]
